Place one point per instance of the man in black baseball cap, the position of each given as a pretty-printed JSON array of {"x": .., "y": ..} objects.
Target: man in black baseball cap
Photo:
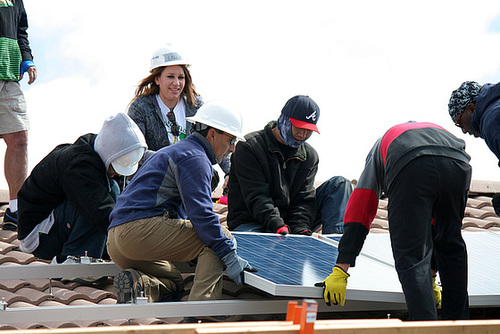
[{"x": 271, "y": 183}]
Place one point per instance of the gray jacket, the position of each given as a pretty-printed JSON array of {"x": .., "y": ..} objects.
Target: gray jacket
[{"x": 146, "y": 112}]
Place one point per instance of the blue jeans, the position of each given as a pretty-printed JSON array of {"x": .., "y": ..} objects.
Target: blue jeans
[
  {"x": 331, "y": 198},
  {"x": 71, "y": 234}
]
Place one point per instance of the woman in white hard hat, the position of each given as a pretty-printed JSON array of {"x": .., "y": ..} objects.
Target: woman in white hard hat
[{"x": 164, "y": 99}]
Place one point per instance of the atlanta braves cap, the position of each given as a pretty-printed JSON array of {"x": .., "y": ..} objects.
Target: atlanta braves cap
[{"x": 303, "y": 112}]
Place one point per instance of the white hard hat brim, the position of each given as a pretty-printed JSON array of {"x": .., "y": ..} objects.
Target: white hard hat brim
[
  {"x": 211, "y": 123},
  {"x": 172, "y": 63}
]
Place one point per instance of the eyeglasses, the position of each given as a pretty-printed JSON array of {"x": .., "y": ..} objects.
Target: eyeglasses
[
  {"x": 174, "y": 128},
  {"x": 233, "y": 138},
  {"x": 458, "y": 121}
]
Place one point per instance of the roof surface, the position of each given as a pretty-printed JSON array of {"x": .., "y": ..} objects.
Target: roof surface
[{"x": 479, "y": 216}]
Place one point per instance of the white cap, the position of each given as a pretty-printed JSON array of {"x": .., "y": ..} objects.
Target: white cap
[
  {"x": 120, "y": 143},
  {"x": 128, "y": 163}
]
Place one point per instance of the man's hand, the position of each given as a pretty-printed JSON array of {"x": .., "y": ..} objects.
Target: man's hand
[
  {"x": 235, "y": 266},
  {"x": 437, "y": 292},
  {"x": 334, "y": 287},
  {"x": 283, "y": 230},
  {"x": 29, "y": 66}
]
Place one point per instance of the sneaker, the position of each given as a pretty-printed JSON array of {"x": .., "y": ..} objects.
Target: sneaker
[
  {"x": 126, "y": 284},
  {"x": 9, "y": 220}
]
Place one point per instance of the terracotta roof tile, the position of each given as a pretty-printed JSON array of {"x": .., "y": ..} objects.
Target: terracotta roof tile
[
  {"x": 93, "y": 294},
  {"x": 478, "y": 223},
  {"x": 67, "y": 296},
  {"x": 6, "y": 247},
  {"x": 33, "y": 296},
  {"x": 31, "y": 293},
  {"x": 108, "y": 301},
  {"x": 51, "y": 302},
  {"x": 17, "y": 257},
  {"x": 13, "y": 285},
  {"x": 380, "y": 223},
  {"x": 7, "y": 236},
  {"x": 381, "y": 214},
  {"x": 19, "y": 304}
]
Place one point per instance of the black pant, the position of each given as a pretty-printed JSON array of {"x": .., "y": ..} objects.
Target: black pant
[
  {"x": 430, "y": 187},
  {"x": 71, "y": 234}
]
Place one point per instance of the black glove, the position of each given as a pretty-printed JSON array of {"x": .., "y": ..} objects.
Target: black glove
[{"x": 496, "y": 203}]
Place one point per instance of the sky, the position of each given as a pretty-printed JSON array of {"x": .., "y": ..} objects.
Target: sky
[{"x": 368, "y": 64}]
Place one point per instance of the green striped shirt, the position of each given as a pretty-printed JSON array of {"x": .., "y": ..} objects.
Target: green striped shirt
[{"x": 10, "y": 59}]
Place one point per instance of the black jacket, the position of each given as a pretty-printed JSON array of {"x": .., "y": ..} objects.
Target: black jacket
[
  {"x": 272, "y": 184},
  {"x": 73, "y": 172}
]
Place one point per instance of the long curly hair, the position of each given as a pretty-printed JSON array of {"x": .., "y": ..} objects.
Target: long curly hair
[{"x": 148, "y": 86}]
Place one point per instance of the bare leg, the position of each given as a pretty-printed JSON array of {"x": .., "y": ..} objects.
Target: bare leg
[{"x": 16, "y": 161}]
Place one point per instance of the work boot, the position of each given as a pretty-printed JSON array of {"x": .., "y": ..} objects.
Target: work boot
[{"x": 126, "y": 284}]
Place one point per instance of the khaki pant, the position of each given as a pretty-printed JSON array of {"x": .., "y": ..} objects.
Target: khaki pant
[
  {"x": 149, "y": 244},
  {"x": 13, "y": 112}
]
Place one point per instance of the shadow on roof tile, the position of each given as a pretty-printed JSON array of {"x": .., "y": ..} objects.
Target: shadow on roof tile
[
  {"x": 50, "y": 302},
  {"x": 6, "y": 247},
  {"x": 21, "y": 304},
  {"x": 482, "y": 213},
  {"x": 80, "y": 302},
  {"x": 11, "y": 298},
  {"x": 13, "y": 285},
  {"x": 478, "y": 223},
  {"x": 17, "y": 257},
  {"x": 107, "y": 301},
  {"x": 381, "y": 214},
  {"x": 8, "y": 236},
  {"x": 66, "y": 296},
  {"x": 33, "y": 296},
  {"x": 95, "y": 295}
]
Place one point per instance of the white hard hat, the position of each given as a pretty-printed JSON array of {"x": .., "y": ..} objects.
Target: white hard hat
[
  {"x": 219, "y": 115},
  {"x": 128, "y": 163},
  {"x": 167, "y": 56}
]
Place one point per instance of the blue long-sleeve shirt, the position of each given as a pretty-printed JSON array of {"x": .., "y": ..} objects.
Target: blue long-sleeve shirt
[
  {"x": 176, "y": 179},
  {"x": 486, "y": 116}
]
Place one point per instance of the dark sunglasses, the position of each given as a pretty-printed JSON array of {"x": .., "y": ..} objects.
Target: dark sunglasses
[{"x": 174, "y": 128}]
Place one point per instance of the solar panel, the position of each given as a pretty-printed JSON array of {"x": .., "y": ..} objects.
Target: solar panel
[
  {"x": 286, "y": 261},
  {"x": 290, "y": 265}
]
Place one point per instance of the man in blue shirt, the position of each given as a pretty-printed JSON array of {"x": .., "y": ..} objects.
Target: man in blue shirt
[{"x": 166, "y": 214}]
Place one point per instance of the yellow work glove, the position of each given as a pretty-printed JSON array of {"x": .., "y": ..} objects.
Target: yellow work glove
[
  {"x": 437, "y": 292},
  {"x": 334, "y": 287}
]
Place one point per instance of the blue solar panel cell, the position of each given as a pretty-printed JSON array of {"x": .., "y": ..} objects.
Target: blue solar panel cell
[{"x": 287, "y": 260}]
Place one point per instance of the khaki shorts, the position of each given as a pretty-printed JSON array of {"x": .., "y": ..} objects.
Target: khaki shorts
[{"x": 13, "y": 113}]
